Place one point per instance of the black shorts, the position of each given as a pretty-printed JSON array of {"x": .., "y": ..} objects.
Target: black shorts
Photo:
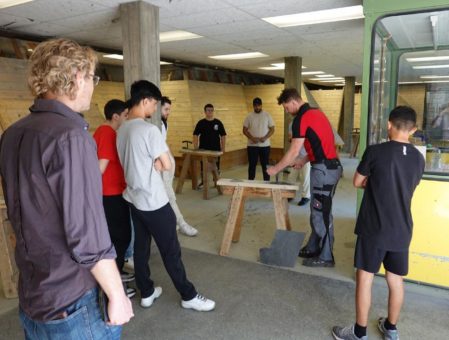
[{"x": 369, "y": 258}]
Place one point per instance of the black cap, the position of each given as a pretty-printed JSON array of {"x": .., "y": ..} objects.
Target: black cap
[{"x": 257, "y": 101}]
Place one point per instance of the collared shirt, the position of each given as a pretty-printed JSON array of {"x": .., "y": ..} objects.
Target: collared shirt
[
  {"x": 52, "y": 187},
  {"x": 313, "y": 125}
]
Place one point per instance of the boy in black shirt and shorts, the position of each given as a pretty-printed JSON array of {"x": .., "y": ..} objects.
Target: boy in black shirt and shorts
[{"x": 389, "y": 172}]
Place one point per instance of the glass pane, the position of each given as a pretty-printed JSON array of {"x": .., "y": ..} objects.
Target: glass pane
[{"x": 411, "y": 67}]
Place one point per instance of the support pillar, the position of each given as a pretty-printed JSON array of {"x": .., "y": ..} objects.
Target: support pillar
[
  {"x": 141, "y": 51},
  {"x": 348, "y": 112},
  {"x": 292, "y": 79}
]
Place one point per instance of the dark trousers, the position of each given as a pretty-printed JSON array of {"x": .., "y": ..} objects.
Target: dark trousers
[
  {"x": 254, "y": 154},
  {"x": 117, "y": 214},
  {"x": 161, "y": 225}
]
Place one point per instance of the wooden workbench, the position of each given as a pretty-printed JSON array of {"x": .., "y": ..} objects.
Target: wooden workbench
[
  {"x": 8, "y": 270},
  {"x": 240, "y": 190},
  {"x": 191, "y": 157}
]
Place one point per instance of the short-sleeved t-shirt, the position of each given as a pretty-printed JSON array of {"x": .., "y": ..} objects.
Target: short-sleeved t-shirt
[
  {"x": 139, "y": 144},
  {"x": 113, "y": 178},
  {"x": 258, "y": 125},
  {"x": 313, "y": 125},
  {"x": 209, "y": 132},
  {"x": 394, "y": 170}
]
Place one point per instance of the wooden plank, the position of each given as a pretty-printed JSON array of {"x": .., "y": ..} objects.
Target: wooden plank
[
  {"x": 258, "y": 192},
  {"x": 279, "y": 210},
  {"x": 236, "y": 201},
  {"x": 201, "y": 152},
  {"x": 257, "y": 184},
  {"x": 205, "y": 177},
  {"x": 238, "y": 223},
  {"x": 8, "y": 268}
]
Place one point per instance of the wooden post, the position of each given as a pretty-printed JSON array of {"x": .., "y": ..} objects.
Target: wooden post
[{"x": 182, "y": 176}]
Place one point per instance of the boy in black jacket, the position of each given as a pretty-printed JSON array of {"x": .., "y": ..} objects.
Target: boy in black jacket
[{"x": 389, "y": 172}]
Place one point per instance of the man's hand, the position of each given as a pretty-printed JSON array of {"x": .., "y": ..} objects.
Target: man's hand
[
  {"x": 158, "y": 165},
  {"x": 298, "y": 165},
  {"x": 272, "y": 171},
  {"x": 120, "y": 310},
  {"x": 262, "y": 139},
  {"x": 255, "y": 140}
]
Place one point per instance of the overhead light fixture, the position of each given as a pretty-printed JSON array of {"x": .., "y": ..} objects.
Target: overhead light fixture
[
  {"x": 311, "y": 73},
  {"x": 433, "y": 77},
  {"x": 422, "y": 67},
  {"x": 277, "y": 66},
  {"x": 113, "y": 56},
  {"x": 413, "y": 60},
  {"x": 326, "y": 76},
  {"x": 120, "y": 57},
  {"x": 321, "y": 79},
  {"x": 435, "y": 81},
  {"x": 410, "y": 82},
  {"x": 317, "y": 17},
  {"x": 331, "y": 81},
  {"x": 177, "y": 35},
  {"x": 10, "y": 3},
  {"x": 248, "y": 55}
]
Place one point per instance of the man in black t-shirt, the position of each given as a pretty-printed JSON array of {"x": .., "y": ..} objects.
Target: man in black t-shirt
[
  {"x": 209, "y": 134},
  {"x": 389, "y": 173}
]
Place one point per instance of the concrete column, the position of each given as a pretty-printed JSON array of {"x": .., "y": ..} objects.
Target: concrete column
[
  {"x": 348, "y": 112},
  {"x": 292, "y": 79},
  {"x": 141, "y": 52}
]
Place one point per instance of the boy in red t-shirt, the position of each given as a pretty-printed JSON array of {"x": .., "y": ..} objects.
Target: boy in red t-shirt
[{"x": 115, "y": 207}]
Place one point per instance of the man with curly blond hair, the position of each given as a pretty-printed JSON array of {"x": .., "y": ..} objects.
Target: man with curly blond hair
[{"x": 52, "y": 187}]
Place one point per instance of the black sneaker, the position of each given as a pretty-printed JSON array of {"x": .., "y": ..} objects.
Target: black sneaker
[
  {"x": 127, "y": 277},
  {"x": 306, "y": 254},
  {"x": 303, "y": 201},
  {"x": 130, "y": 292},
  {"x": 317, "y": 262}
]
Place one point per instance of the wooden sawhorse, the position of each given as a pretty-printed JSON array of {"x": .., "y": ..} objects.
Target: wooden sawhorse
[
  {"x": 191, "y": 157},
  {"x": 240, "y": 190}
]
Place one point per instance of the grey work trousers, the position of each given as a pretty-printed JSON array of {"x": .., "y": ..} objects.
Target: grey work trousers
[{"x": 323, "y": 181}]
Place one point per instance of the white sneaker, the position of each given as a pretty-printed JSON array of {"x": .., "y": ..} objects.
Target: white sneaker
[
  {"x": 148, "y": 301},
  {"x": 187, "y": 229},
  {"x": 199, "y": 303}
]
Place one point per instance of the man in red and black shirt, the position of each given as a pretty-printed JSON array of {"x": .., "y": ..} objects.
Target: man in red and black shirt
[
  {"x": 312, "y": 129},
  {"x": 115, "y": 207}
]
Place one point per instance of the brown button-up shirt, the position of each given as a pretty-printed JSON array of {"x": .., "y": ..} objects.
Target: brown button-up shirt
[{"x": 52, "y": 186}]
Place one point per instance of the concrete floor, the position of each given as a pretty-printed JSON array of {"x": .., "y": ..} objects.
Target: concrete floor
[{"x": 260, "y": 302}]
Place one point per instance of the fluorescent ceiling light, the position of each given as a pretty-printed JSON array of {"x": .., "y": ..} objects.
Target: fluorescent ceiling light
[
  {"x": 330, "y": 81},
  {"x": 422, "y": 67},
  {"x": 433, "y": 77},
  {"x": 120, "y": 57},
  {"x": 177, "y": 35},
  {"x": 248, "y": 55},
  {"x": 317, "y": 17},
  {"x": 335, "y": 78},
  {"x": 410, "y": 82},
  {"x": 277, "y": 66},
  {"x": 325, "y": 76},
  {"x": 311, "y": 73},
  {"x": 10, "y": 3},
  {"x": 412, "y": 60},
  {"x": 436, "y": 81},
  {"x": 113, "y": 56}
]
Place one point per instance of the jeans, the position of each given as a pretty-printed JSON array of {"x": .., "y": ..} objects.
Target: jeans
[
  {"x": 84, "y": 322},
  {"x": 254, "y": 154}
]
